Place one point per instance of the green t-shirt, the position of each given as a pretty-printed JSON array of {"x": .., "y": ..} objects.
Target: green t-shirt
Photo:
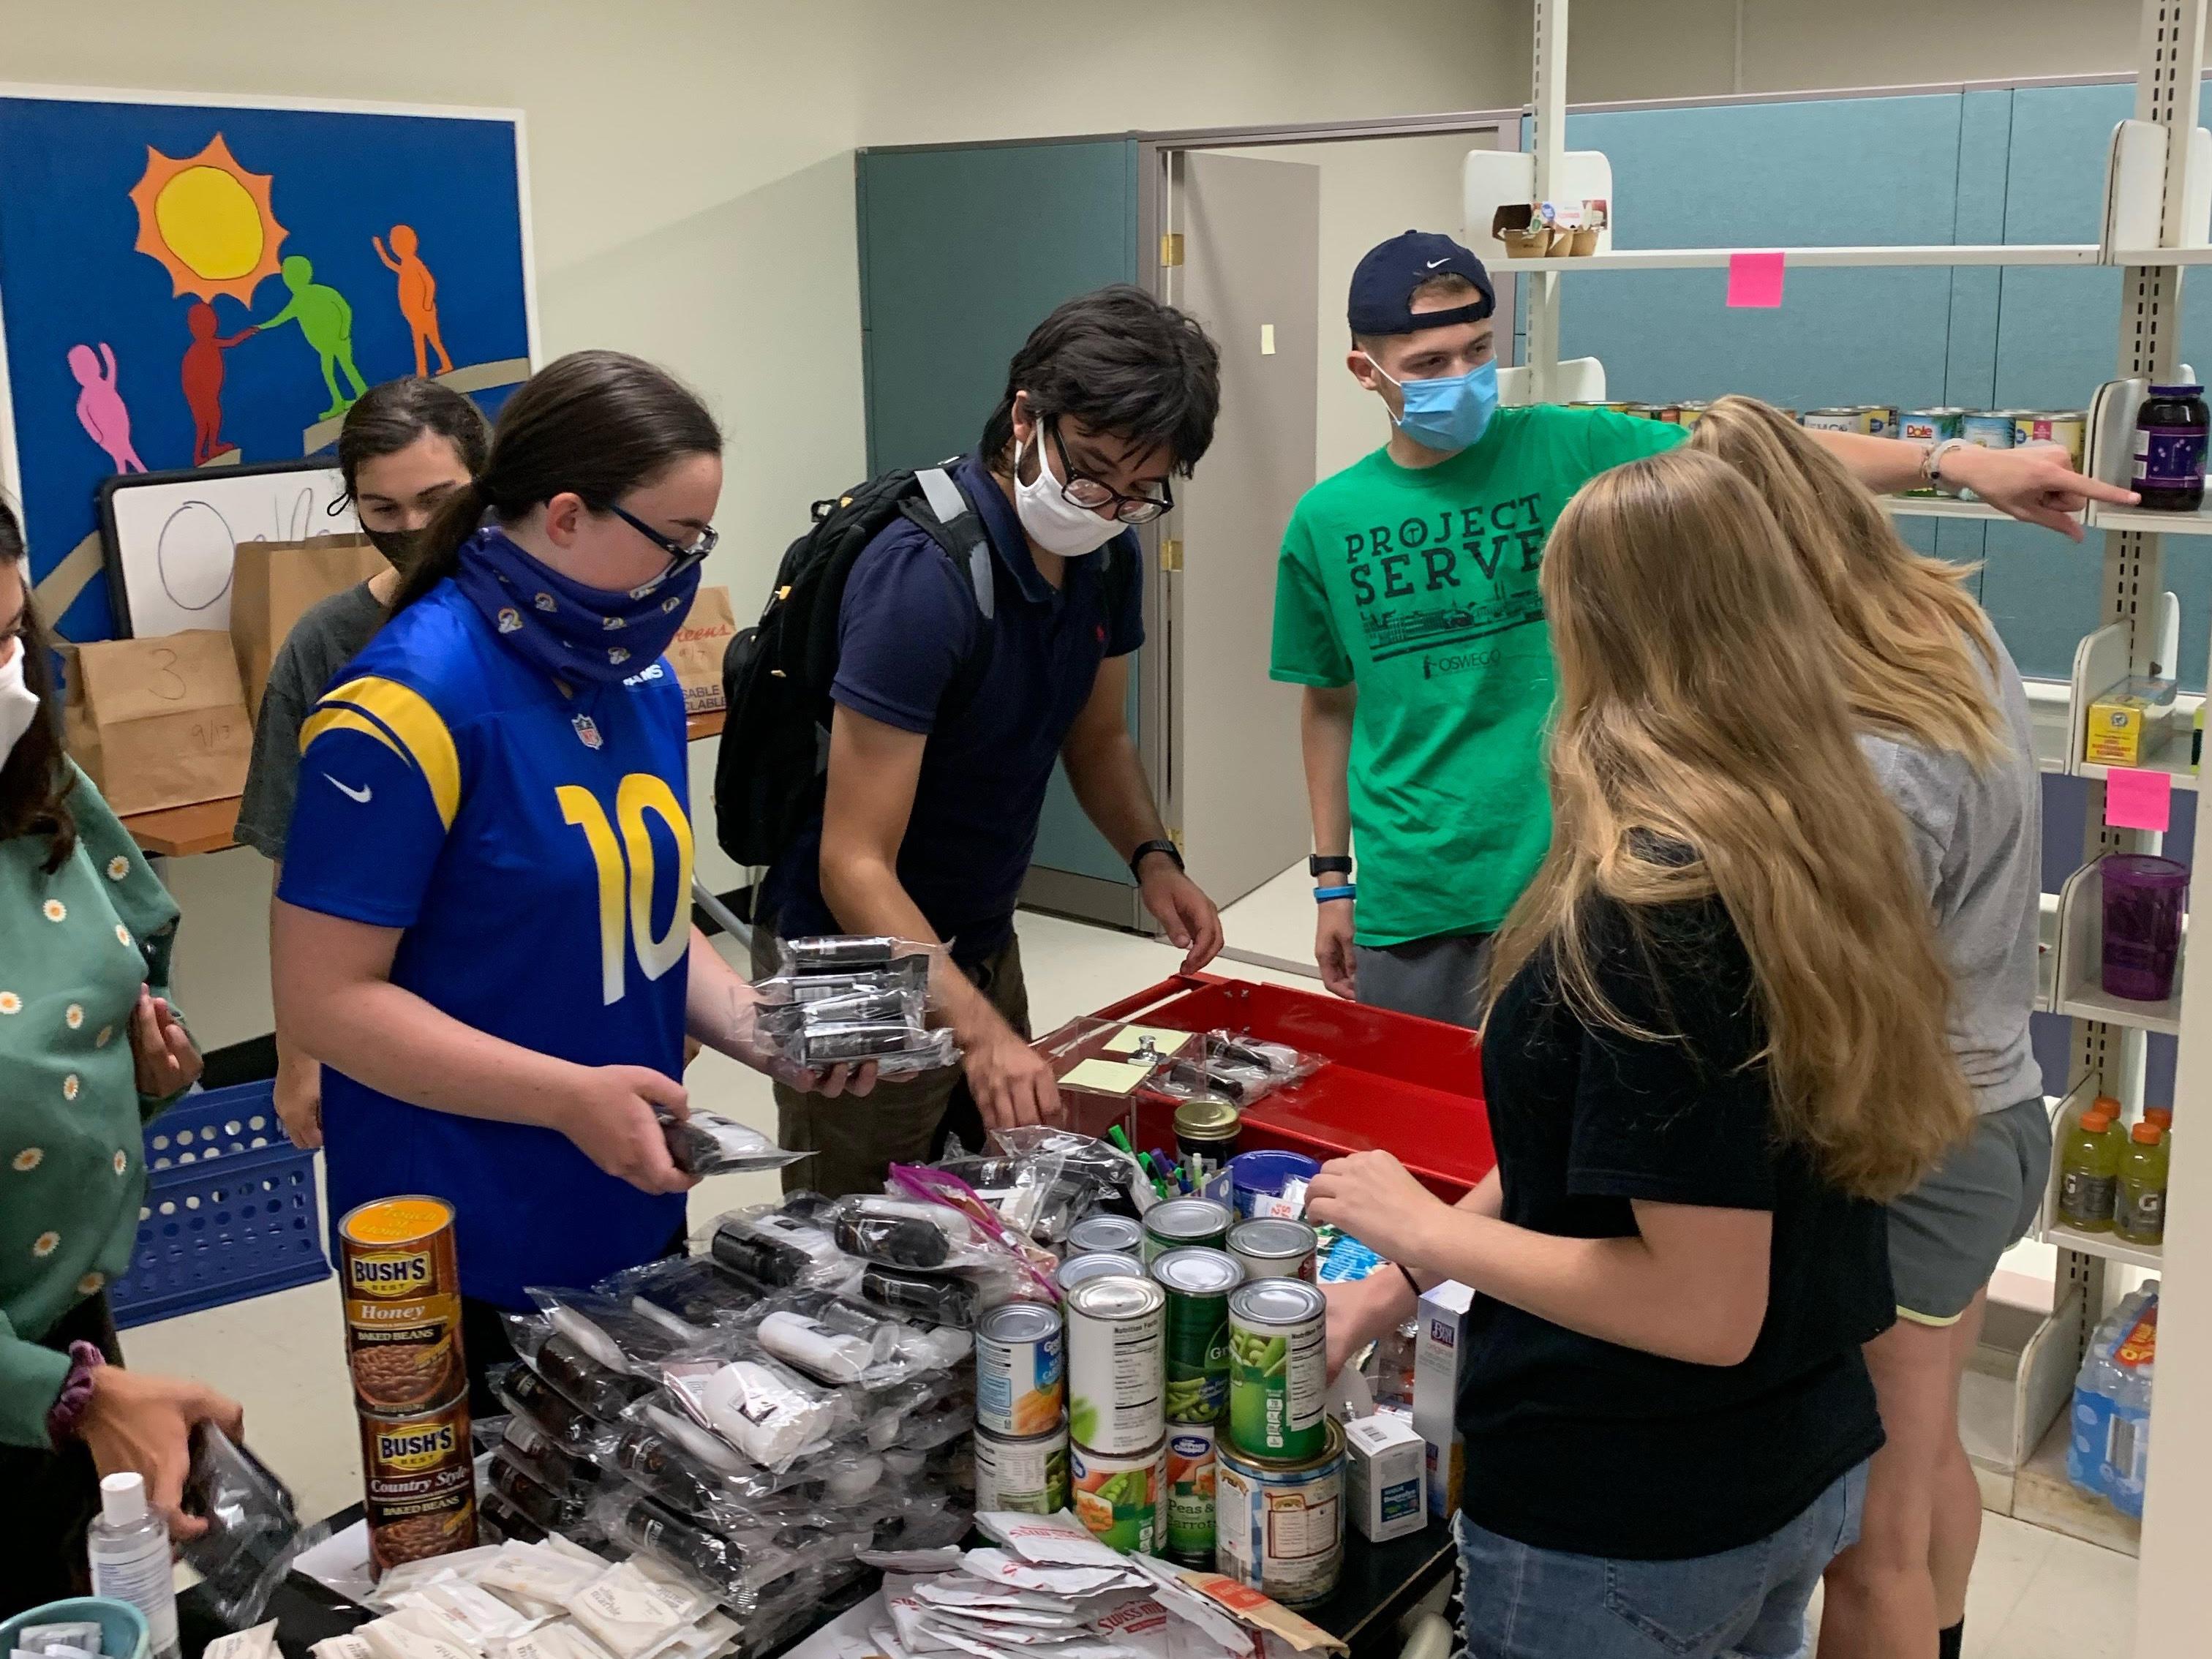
[{"x": 1419, "y": 585}]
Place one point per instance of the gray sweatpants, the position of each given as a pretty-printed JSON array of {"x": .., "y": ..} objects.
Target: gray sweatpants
[{"x": 1446, "y": 978}]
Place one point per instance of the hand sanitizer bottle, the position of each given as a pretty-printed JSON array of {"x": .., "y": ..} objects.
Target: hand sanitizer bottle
[{"x": 130, "y": 1550}]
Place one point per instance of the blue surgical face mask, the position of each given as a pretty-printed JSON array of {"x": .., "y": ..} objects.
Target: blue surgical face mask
[{"x": 1448, "y": 413}]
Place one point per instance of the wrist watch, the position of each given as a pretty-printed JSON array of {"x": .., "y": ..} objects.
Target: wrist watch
[
  {"x": 1147, "y": 849},
  {"x": 1328, "y": 863},
  {"x": 1931, "y": 465}
]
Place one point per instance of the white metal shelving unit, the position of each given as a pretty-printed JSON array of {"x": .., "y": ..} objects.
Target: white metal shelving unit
[{"x": 2157, "y": 209}]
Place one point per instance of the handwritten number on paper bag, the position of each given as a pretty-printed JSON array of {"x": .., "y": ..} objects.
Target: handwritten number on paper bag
[{"x": 165, "y": 665}]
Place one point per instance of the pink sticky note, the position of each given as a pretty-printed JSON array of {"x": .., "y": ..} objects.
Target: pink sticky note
[
  {"x": 1755, "y": 279},
  {"x": 2138, "y": 800}
]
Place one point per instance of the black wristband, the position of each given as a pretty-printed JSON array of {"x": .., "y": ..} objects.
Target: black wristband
[
  {"x": 1412, "y": 1283},
  {"x": 1150, "y": 847},
  {"x": 1328, "y": 863}
]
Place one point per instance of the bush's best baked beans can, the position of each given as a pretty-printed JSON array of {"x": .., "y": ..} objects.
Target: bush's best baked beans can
[
  {"x": 420, "y": 1483},
  {"x": 402, "y": 1303}
]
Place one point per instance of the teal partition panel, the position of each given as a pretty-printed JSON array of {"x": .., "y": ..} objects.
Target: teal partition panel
[{"x": 963, "y": 251}]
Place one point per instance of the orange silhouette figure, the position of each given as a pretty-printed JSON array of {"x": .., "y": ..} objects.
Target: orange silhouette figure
[
  {"x": 203, "y": 378},
  {"x": 418, "y": 297}
]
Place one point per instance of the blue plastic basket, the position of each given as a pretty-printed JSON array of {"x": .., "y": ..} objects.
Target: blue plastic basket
[{"x": 230, "y": 1209}]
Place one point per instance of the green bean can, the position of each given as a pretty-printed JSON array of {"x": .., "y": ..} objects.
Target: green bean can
[
  {"x": 1180, "y": 1223},
  {"x": 1198, "y": 1282},
  {"x": 1279, "y": 1370}
]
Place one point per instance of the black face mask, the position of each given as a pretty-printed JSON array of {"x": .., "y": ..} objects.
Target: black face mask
[{"x": 397, "y": 546}]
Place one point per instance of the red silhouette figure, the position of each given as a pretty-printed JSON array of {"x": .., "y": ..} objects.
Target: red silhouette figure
[
  {"x": 202, "y": 379},
  {"x": 418, "y": 297}
]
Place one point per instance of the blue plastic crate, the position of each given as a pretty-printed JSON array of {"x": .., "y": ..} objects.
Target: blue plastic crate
[{"x": 230, "y": 1209}]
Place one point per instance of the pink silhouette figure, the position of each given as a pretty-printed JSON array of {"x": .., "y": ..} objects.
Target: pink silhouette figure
[
  {"x": 99, "y": 406},
  {"x": 418, "y": 297},
  {"x": 203, "y": 381}
]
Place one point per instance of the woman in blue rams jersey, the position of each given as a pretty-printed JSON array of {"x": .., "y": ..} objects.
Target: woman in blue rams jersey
[{"x": 483, "y": 922}]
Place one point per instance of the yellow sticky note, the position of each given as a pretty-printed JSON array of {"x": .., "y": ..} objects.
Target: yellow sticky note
[
  {"x": 1130, "y": 1038},
  {"x": 1267, "y": 339},
  {"x": 1107, "y": 1077}
]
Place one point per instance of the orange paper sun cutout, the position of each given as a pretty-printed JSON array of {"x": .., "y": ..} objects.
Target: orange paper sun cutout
[{"x": 208, "y": 221}]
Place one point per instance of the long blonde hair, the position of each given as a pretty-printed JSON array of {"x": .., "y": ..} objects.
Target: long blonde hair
[
  {"x": 1698, "y": 706},
  {"x": 1905, "y": 621}
]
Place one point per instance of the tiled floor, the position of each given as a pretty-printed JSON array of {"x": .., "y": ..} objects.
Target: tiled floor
[{"x": 2035, "y": 1595}]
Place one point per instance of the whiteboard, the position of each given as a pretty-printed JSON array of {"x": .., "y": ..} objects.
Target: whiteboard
[{"x": 168, "y": 538}]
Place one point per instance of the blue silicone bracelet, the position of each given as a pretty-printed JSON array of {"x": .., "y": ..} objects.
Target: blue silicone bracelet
[{"x": 1323, "y": 895}]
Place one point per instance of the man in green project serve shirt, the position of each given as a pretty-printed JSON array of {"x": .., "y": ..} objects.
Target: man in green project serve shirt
[{"x": 1406, "y": 604}]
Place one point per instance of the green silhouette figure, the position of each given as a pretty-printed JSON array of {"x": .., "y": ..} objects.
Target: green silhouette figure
[{"x": 326, "y": 320}]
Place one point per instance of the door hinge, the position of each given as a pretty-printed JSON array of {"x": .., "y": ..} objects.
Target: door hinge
[
  {"x": 1171, "y": 247},
  {"x": 1172, "y": 553}
]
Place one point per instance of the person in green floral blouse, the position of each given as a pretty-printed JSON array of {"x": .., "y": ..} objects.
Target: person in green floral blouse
[{"x": 89, "y": 1048}]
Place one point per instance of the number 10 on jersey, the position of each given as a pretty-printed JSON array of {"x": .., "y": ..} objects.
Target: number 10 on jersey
[{"x": 625, "y": 868}]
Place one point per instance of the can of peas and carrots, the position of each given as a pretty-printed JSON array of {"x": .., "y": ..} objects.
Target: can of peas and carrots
[
  {"x": 1278, "y": 1369},
  {"x": 1190, "y": 1493},
  {"x": 1097, "y": 1234},
  {"x": 1117, "y": 1496},
  {"x": 1275, "y": 1248},
  {"x": 1020, "y": 1369},
  {"x": 1116, "y": 1330},
  {"x": 1182, "y": 1221},
  {"x": 1198, "y": 1282}
]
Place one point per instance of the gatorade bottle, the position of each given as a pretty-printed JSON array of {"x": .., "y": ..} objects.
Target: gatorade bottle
[
  {"x": 2088, "y": 1173},
  {"x": 2163, "y": 1116},
  {"x": 2139, "y": 1211}
]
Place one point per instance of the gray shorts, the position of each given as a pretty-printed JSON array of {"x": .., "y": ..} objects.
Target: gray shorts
[
  {"x": 1446, "y": 978},
  {"x": 1946, "y": 1235}
]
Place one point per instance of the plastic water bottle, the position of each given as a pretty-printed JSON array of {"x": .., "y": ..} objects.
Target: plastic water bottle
[
  {"x": 130, "y": 1551},
  {"x": 2127, "y": 1443}
]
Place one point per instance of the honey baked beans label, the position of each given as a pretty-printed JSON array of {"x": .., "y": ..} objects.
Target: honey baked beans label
[
  {"x": 402, "y": 1303},
  {"x": 420, "y": 1485}
]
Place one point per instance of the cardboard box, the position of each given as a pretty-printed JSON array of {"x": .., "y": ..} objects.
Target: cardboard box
[
  {"x": 1385, "y": 1477},
  {"x": 1439, "y": 1360}
]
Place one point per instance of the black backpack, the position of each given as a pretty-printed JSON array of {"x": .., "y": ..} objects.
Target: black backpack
[{"x": 776, "y": 675}]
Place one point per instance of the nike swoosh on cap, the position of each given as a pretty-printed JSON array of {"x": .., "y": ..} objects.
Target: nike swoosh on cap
[
  {"x": 1433, "y": 263},
  {"x": 360, "y": 795}
]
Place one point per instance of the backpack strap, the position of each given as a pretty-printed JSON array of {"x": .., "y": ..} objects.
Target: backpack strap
[{"x": 949, "y": 506}]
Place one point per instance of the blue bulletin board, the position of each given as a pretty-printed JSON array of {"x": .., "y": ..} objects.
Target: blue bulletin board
[{"x": 203, "y": 282}]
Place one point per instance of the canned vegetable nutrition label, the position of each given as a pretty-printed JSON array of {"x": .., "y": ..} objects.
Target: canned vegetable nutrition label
[
  {"x": 1116, "y": 1373},
  {"x": 1198, "y": 1282},
  {"x": 1278, "y": 1369}
]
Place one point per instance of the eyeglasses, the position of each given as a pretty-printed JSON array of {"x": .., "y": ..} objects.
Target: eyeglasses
[
  {"x": 680, "y": 557},
  {"x": 1091, "y": 495}
]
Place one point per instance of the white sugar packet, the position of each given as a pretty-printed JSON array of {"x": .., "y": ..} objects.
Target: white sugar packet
[
  {"x": 633, "y": 1608},
  {"x": 544, "y": 1574},
  {"x": 408, "y": 1634},
  {"x": 559, "y": 1639},
  {"x": 346, "y": 1646},
  {"x": 259, "y": 1643}
]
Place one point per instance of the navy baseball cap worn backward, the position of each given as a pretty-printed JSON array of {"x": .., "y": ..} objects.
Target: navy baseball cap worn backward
[{"x": 1382, "y": 286}]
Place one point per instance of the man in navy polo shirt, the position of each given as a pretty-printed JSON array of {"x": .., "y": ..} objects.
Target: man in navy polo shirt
[{"x": 931, "y": 812}]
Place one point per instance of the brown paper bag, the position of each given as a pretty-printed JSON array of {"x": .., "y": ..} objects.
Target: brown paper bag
[
  {"x": 158, "y": 722},
  {"x": 696, "y": 653},
  {"x": 274, "y": 583}
]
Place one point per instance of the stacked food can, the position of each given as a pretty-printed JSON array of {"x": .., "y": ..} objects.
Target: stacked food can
[
  {"x": 1116, "y": 1376},
  {"x": 1020, "y": 1421},
  {"x": 1279, "y": 1475},
  {"x": 1198, "y": 1280},
  {"x": 411, "y": 1385}
]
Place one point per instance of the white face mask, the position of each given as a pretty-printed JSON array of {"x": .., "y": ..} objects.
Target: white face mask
[
  {"x": 1054, "y": 522},
  {"x": 19, "y": 704}
]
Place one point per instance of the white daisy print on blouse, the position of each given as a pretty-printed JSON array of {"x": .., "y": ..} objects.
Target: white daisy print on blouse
[
  {"x": 69, "y": 1086},
  {"x": 73, "y": 1017},
  {"x": 55, "y": 910},
  {"x": 11, "y": 1003},
  {"x": 29, "y": 1159},
  {"x": 45, "y": 1244},
  {"x": 122, "y": 934},
  {"x": 117, "y": 867},
  {"x": 90, "y": 1284},
  {"x": 122, "y": 1160}
]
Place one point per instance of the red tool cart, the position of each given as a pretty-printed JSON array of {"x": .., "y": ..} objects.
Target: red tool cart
[{"x": 1406, "y": 1085}]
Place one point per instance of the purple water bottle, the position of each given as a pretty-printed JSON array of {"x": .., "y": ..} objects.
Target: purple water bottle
[{"x": 2143, "y": 896}]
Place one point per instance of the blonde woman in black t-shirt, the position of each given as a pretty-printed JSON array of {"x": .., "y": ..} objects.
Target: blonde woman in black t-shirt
[{"x": 1718, "y": 1045}]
